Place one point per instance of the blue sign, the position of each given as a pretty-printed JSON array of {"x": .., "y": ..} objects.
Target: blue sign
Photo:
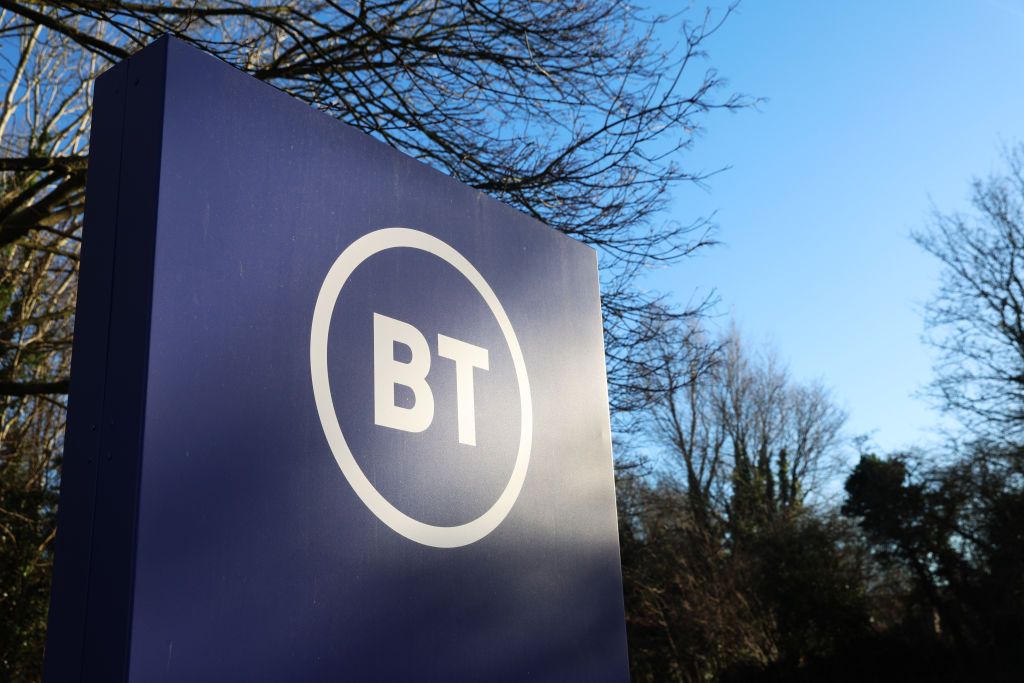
[{"x": 334, "y": 416}]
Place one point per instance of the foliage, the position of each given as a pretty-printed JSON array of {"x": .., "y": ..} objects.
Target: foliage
[
  {"x": 731, "y": 573},
  {"x": 716, "y": 545},
  {"x": 701, "y": 606},
  {"x": 750, "y": 442},
  {"x": 921, "y": 578},
  {"x": 27, "y": 529},
  {"x": 690, "y": 614}
]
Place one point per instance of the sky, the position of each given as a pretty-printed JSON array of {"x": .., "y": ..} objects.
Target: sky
[{"x": 874, "y": 113}]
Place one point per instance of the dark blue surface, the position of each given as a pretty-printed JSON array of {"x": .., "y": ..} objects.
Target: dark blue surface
[
  {"x": 70, "y": 592},
  {"x": 91, "y": 606},
  {"x": 254, "y": 560}
]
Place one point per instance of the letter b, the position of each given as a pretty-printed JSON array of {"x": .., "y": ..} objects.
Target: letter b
[{"x": 387, "y": 372}]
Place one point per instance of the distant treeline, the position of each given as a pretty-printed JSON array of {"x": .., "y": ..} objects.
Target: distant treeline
[
  {"x": 919, "y": 576},
  {"x": 737, "y": 567}
]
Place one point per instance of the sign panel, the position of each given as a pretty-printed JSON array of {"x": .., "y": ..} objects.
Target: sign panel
[{"x": 334, "y": 416}]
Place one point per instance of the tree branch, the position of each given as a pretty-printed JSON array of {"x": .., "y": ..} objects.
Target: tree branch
[{"x": 34, "y": 388}]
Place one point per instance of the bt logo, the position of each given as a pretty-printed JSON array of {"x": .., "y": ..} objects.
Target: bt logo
[{"x": 389, "y": 372}]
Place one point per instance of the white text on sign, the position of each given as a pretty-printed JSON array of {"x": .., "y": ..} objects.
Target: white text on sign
[{"x": 389, "y": 372}]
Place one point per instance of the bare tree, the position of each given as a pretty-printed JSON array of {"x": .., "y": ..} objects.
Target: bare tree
[
  {"x": 716, "y": 545},
  {"x": 751, "y": 442},
  {"x": 569, "y": 111},
  {"x": 691, "y": 611},
  {"x": 976, "y": 320},
  {"x": 683, "y": 415}
]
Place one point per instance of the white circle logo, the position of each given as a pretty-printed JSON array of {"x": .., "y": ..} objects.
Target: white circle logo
[{"x": 413, "y": 529}]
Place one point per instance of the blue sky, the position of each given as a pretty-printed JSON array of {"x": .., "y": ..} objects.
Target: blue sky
[{"x": 874, "y": 112}]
